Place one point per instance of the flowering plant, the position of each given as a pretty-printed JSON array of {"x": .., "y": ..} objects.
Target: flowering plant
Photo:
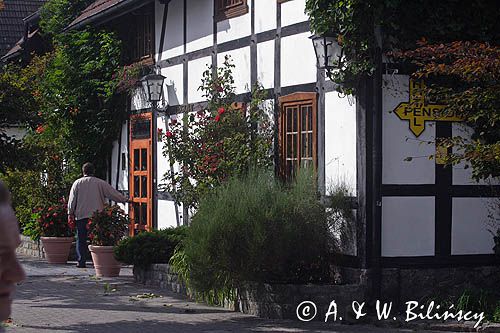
[
  {"x": 224, "y": 139},
  {"x": 108, "y": 226},
  {"x": 53, "y": 221}
]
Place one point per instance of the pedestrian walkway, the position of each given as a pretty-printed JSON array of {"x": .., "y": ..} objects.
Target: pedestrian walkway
[{"x": 63, "y": 299}]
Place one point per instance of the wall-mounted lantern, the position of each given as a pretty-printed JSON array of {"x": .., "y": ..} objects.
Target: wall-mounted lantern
[{"x": 329, "y": 52}]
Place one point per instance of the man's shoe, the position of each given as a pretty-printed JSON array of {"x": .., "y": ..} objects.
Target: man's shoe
[{"x": 81, "y": 266}]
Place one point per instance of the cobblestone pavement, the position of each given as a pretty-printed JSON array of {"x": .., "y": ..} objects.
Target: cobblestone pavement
[{"x": 62, "y": 298}]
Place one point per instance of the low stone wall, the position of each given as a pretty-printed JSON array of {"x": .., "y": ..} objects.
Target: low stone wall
[
  {"x": 276, "y": 301},
  {"x": 404, "y": 284},
  {"x": 160, "y": 275},
  {"x": 35, "y": 249},
  {"x": 31, "y": 248}
]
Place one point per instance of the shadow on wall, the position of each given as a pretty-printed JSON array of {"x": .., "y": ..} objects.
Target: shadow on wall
[{"x": 199, "y": 22}]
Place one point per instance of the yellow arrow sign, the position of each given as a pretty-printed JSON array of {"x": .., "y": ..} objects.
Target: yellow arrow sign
[{"x": 417, "y": 111}]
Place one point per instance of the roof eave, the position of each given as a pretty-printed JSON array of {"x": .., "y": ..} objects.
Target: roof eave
[{"x": 110, "y": 13}]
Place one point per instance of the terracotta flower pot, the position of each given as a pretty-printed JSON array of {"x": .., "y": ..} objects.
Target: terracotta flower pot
[
  {"x": 104, "y": 261},
  {"x": 57, "y": 249}
]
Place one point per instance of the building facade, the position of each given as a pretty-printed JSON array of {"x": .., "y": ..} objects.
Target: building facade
[{"x": 412, "y": 212}]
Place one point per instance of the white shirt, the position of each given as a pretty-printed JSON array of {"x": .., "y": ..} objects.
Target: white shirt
[{"x": 88, "y": 195}]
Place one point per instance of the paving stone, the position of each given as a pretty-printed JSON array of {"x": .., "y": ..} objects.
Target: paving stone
[{"x": 64, "y": 299}]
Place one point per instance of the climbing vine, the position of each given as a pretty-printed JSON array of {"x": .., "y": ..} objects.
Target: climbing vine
[{"x": 363, "y": 25}]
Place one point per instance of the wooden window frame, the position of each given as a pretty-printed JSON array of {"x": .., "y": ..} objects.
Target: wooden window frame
[
  {"x": 145, "y": 36},
  {"x": 226, "y": 12},
  {"x": 297, "y": 99}
]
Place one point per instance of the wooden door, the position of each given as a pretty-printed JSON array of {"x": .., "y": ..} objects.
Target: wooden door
[{"x": 140, "y": 174}]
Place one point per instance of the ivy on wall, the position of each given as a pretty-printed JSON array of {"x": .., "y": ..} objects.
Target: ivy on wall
[{"x": 401, "y": 24}]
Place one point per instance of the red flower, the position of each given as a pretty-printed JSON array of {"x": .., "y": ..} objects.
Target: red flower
[
  {"x": 169, "y": 134},
  {"x": 160, "y": 131},
  {"x": 217, "y": 117},
  {"x": 221, "y": 110},
  {"x": 173, "y": 122},
  {"x": 40, "y": 129}
]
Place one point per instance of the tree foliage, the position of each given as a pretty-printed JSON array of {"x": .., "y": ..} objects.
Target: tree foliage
[
  {"x": 465, "y": 76},
  {"x": 401, "y": 23}
]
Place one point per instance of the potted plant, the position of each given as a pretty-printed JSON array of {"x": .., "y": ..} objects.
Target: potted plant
[
  {"x": 55, "y": 231},
  {"x": 106, "y": 228}
]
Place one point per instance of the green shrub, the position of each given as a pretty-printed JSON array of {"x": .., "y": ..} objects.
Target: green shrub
[
  {"x": 147, "y": 248},
  {"x": 256, "y": 229},
  {"x": 29, "y": 191},
  {"x": 480, "y": 300}
]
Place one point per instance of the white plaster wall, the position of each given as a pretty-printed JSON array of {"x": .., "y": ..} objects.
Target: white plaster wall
[
  {"x": 199, "y": 24},
  {"x": 174, "y": 84},
  {"x": 470, "y": 224},
  {"x": 166, "y": 214},
  {"x": 166, "y": 208},
  {"x": 195, "y": 72},
  {"x": 241, "y": 72},
  {"x": 117, "y": 151},
  {"x": 407, "y": 226},
  {"x": 174, "y": 32},
  {"x": 234, "y": 28},
  {"x": 340, "y": 141},
  {"x": 462, "y": 175},
  {"x": 293, "y": 12},
  {"x": 163, "y": 164},
  {"x": 398, "y": 142},
  {"x": 138, "y": 100},
  {"x": 298, "y": 61},
  {"x": 265, "y": 63},
  {"x": 265, "y": 15},
  {"x": 16, "y": 132}
]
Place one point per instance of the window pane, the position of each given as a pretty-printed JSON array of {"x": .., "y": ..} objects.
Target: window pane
[
  {"x": 310, "y": 144},
  {"x": 137, "y": 213},
  {"x": 289, "y": 145},
  {"x": 310, "y": 119},
  {"x": 304, "y": 118},
  {"x": 304, "y": 152},
  {"x": 136, "y": 159},
  {"x": 144, "y": 214},
  {"x": 295, "y": 120},
  {"x": 289, "y": 126},
  {"x": 136, "y": 186},
  {"x": 144, "y": 186},
  {"x": 144, "y": 159}
]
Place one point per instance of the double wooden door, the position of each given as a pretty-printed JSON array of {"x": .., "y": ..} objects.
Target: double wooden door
[{"x": 140, "y": 182}]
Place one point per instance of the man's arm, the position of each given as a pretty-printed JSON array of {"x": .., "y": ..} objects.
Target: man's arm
[
  {"x": 112, "y": 194},
  {"x": 73, "y": 194}
]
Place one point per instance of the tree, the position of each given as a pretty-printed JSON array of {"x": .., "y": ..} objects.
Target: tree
[{"x": 465, "y": 76}]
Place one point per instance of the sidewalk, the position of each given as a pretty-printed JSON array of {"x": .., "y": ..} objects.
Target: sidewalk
[{"x": 62, "y": 298}]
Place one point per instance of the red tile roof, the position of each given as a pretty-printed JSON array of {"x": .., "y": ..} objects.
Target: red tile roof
[{"x": 95, "y": 8}]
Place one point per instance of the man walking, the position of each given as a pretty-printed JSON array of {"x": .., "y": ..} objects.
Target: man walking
[{"x": 88, "y": 195}]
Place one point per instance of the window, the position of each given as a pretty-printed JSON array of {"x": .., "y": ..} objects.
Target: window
[
  {"x": 136, "y": 30},
  {"x": 225, "y": 9},
  {"x": 297, "y": 132},
  {"x": 143, "y": 37}
]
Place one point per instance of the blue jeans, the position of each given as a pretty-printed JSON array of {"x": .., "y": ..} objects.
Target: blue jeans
[{"x": 81, "y": 240}]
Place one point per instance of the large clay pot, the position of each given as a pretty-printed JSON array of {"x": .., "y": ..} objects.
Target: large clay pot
[
  {"x": 104, "y": 260},
  {"x": 57, "y": 249}
]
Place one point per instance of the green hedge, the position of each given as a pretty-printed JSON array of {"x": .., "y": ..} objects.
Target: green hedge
[
  {"x": 148, "y": 248},
  {"x": 257, "y": 229}
]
